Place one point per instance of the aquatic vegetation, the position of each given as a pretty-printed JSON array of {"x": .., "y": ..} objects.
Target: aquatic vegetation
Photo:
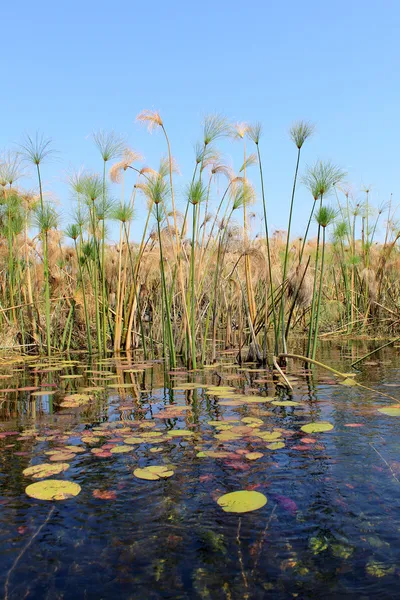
[
  {"x": 153, "y": 473},
  {"x": 242, "y": 501},
  {"x": 53, "y": 489},
  {"x": 201, "y": 278},
  {"x": 391, "y": 411},
  {"x": 317, "y": 427},
  {"x": 45, "y": 470}
]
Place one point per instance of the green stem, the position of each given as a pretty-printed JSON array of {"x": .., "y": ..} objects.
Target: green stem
[
  {"x": 314, "y": 350},
  {"x": 285, "y": 264}
]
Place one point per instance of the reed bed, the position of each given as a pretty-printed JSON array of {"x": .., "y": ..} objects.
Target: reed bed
[{"x": 197, "y": 281}]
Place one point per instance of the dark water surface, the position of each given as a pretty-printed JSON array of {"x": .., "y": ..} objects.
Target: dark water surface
[{"x": 330, "y": 528}]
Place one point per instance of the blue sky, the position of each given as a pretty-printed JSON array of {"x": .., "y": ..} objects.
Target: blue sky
[{"x": 71, "y": 68}]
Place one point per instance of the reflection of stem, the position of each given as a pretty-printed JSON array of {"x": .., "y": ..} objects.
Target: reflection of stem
[
  {"x": 338, "y": 373},
  {"x": 282, "y": 374},
  {"x": 24, "y": 549},
  {"x": 385, "y": 461},
  {"x": 227, "y": 591},
  {"x": 240, "y": 555},
  {"x": 262, "y": 540}
]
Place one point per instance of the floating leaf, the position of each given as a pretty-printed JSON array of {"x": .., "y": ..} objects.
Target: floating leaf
[
  {"x": 153, "y": 473},
  {"x": 252, "y": 420},
  {"x": 45, "y": 470},
  {"x": 390, "y": 411},
  {"x": 276, "y": 445},
  {"x": 133, "y": 440},
  {"x": 317, "y": 427},
  {"x": 180, "y": 433},
  {"x": 90, "y": 439},
  {"x": 147, "y": 435},
  {"x": 268, "y": 436},
  {"x": 121, "y": 449},
  {"x": 242, "y": 501},
  {"x": 75, "y": 449},
  {"x": 349, "y": 382},
  {"x": 285, "y": 403},
  {"x": 63, "y": 456},
  {"x": 254, "y": 455},
  {"x": 217, "y": 453},
  {"x": 53, "y": 489},
  {"x": 255, "y": 399},
  {"x": 104, "y": 494}
]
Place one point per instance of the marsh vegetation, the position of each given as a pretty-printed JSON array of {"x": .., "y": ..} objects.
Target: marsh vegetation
[{"x": 199, "y": 279}]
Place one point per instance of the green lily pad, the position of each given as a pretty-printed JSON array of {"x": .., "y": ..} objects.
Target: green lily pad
[
  {"x": 242, "y": 501},
  {"x": 276, "y": 445},
  {"x": 390, "y": 411},
  {"x": 44, "y": 470},
  {"x": 153, "y": 473},
  {"x": 317, "y": 427},
  {"x": 121, "y": 449},
  {"x": 285, "y": 403},
  {"x": 53, "y": 489},
  {"x": 180, "y": 433}
]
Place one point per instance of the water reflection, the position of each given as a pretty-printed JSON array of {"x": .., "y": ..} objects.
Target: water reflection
[{"x": 331, "y": 526}]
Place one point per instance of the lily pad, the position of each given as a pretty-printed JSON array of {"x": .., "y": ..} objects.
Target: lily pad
[
  {"x": 255, "y": 399},
  {"x": 180, "y": 433},
  {"x": 254, "y": 455},
  {"x": 45, "y": 470},
  {"x": 390, "y": 411},
  {"x": 53, "y": 489},
  {"x": 285, "y": 403},
  {"x": 121, "y": 449},
  {"x": 276, "y": 445},
  {"x": 153, "y": 473},
  {"x": 242, "y": 501},
  {"x": 133, "y": 440},
  {"x": 62, "y": 456},
  {"x": 317, "y": 427}
]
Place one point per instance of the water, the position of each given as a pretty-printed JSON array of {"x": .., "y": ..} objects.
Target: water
[{"x": 330, "y": 528}]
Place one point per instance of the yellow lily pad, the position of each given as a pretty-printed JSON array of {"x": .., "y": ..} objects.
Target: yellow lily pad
[
  {"x": 153, "y": 473},
  {"x": 134, "y": 440},
  {"x": 276, "y": 445},
  {"x": 255, "y": 399},
  {"x": 254, "y": 455},
  {"x": 390, "y": 411},
  {"x": 317, "y": 427},
  {"x": 63, "y": 456},
  {"x": 285, "y": 403},
  {"x": 242, "y": 501},
  {"x": 180, "y": 433},
  {"x": 53, "y": 489},
  {"x": 121, "y": 449},
  {"x": 45, "y": 470}
]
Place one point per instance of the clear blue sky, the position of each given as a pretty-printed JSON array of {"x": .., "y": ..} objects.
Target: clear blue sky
[{"x": 69, "y": 68}]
